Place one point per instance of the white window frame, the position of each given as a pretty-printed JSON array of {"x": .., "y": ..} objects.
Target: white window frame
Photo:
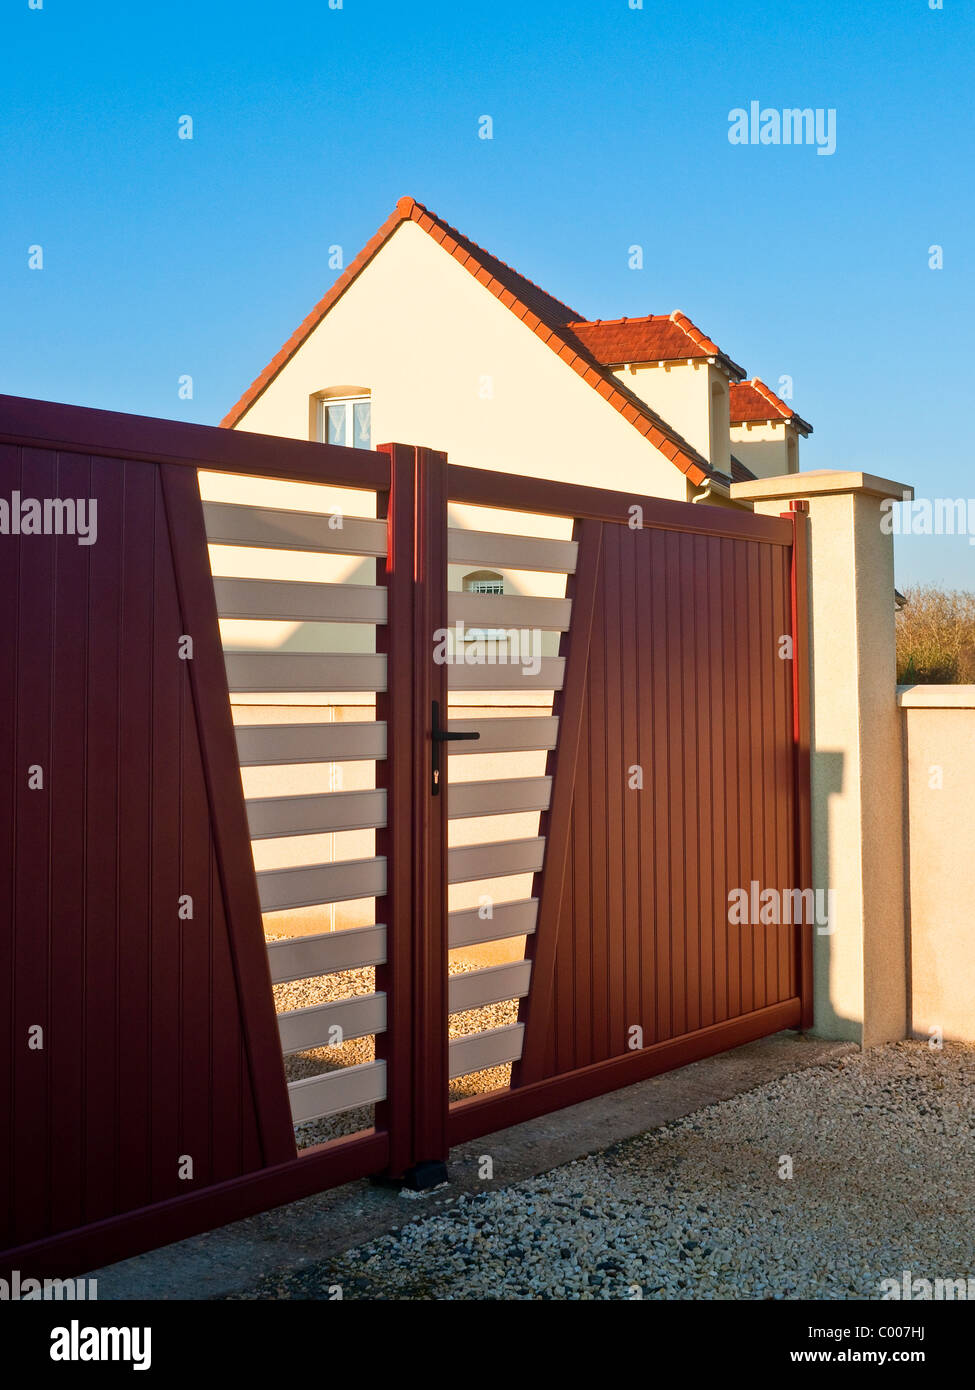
[{"x": 326, "y": 403}]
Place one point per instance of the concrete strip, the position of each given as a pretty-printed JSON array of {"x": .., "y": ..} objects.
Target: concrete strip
[{"x": 234, "y": 1258}]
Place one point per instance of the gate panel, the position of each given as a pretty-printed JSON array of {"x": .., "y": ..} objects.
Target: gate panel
[
  {"x": 673, "y": 781},
  {"x": 607, "y": 933},
  {"x": 142, "y": 1043},
  {"x": 141, "y": 1071}
]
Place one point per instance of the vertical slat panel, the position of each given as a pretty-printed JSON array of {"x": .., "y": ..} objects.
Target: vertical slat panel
[
  {"x": 167, "y": 677},
  {"x": 801, "y": 738},
  {"x": 630, "y": 616},
  {"x": 67, "y": 785},
  {"x": 745, "y": 787},
  {"x": 10, "y": 482},
  {"x": 555, "y": 824},
  {"x": 397, "y": 776},
  {"x": 574, "y": 1019},
  {"x": 232, "y": 1101},
  {"x": 789, "y": 869},
  {"x": 707, "y": 607},
  {"x": 192, "y": 940},
  {"x": 33, "y": 1068},
  {"x": 661, "y": 779},
  {"x": 615, "y": 785},
  {"x": 768, "y": 648},
  {"x": 598, "y": 798},
  {"x": 429, "y": 816},
  {"x": 676, "y": 785},
  {"x": 734, "y": 862},
  {"x": 218, "y": 751},
  {"x": 756, "y": 744},
  {"x": 691, "y": 716},
  {"x": 716, "y": 890},
  {"x": 644, "y": 664},
  {"x": 100, "y": 737},
  {"x": 134, "y": 832}
]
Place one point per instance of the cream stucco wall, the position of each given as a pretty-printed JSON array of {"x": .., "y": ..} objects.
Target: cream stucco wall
[
  {"x": 450, "y": 367},
  {"x": 764, "y": 447},
  {"x": 860, "y": 965},
  {"x": 939, "y": 748},
  {"x": 681, "y": 394}
]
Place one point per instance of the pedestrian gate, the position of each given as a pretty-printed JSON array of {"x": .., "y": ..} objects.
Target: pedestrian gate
[{"x": 363, "y": 805}]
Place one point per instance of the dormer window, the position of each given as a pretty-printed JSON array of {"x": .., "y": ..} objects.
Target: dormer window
[{"x": 345, "y": 420}]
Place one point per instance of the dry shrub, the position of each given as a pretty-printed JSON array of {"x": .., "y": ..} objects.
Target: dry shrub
[{"x": 936, "y": 637}]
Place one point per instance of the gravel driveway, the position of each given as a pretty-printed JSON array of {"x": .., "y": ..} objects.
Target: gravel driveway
[{"x": 882, "y": 1150}]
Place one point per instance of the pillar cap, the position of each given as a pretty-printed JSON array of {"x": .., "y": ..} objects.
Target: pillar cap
[{"x": 818, "y": 483}]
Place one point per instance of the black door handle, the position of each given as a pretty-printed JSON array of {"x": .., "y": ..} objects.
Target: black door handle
[{"x": 440, "y": 734}]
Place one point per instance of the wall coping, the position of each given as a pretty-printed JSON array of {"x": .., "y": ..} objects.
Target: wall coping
[
  {"x": 819, "y": 482},
  {"x": 936, "y": 696}
]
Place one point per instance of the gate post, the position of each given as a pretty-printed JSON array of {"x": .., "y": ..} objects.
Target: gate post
[
  {"x": 395, "y": 774},
  {"x": 430, "y": 1016},
  {"x": 859, "y": 962}
]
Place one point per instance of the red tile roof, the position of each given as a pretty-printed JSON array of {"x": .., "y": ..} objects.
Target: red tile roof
[
  {"x": 739, "y": 472},
  {"x": 576, "y": 340},
  {"x": 656, "y": 338},
  {"x": 753, "y": 401}
]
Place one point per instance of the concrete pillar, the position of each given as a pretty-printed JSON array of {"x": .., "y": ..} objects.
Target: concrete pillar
[{"x": 860, "y": 967}]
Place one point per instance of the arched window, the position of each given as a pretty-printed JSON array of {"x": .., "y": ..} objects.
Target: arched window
[
  {"x": 344, "y": 417},
  {"x": 720, "y": 426},
  {"x": 483, "y": 582}
]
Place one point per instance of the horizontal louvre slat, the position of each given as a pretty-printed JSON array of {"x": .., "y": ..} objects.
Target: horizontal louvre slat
[
  {"x": 510, "y": 676},
  {"x": 469, "y": 928},
  {"x": 316, "y": 815},
  {"x": 488, "y": 986},
  {"x": 498, "y": 798},
  {"x": 297, "y": 601},
  {"x": 268, "y": 745},
  {"x": 253, "y": 671},
  {"x": 321, "y": 883},
  {"x": 231, "y": 523},
  {"x": 301, "y": 1029},
  {"x": 317, "y": 1096},
  {"x": 515, "y": 735},
  {"x": 503, "y": 551},
  {"x": 478, "y": 1051},
  {"x": 304, "y": 957},
  {"x": 468, "y": 862},
  {"x": 509, "y": 610}
]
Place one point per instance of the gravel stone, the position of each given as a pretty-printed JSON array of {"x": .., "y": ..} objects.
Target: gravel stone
[
  {"x": 882, "y": 1146},
  {"x": 346, "y": 984}
]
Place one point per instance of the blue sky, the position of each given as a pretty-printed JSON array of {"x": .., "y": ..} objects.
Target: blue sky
[{"x": 164, "y": 256}]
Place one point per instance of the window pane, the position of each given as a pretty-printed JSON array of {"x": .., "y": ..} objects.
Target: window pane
[
  {"x": 360, "y": 411},
  {"x": 335, "y": 416}
]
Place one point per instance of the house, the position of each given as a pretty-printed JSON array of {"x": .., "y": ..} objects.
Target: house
[{"x": 426, "y": 336}]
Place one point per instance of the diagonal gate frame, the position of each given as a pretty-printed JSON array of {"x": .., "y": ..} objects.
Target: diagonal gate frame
[{"x": 227, "y": 985}]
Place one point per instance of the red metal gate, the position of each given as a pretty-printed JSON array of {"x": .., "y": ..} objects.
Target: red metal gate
[
  {"x": 676, "y": 775},
  {"x": 148, "y": 1073}
]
